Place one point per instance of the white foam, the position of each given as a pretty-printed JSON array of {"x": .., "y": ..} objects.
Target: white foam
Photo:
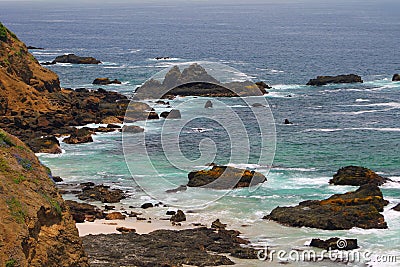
[{"x": 362, "y": 100}]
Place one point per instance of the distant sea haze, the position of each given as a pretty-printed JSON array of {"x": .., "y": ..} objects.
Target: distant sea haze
[{"x": 282, "y": 43}]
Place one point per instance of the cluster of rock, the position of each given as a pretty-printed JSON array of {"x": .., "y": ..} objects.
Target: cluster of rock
[
  {"x": 168, "y": 248},
  {"x": 195, "y": 81},
  {"x": 224, "y": 177},
  {"x": 360, "y": 208},
  {"x": 323, "y": 80}
]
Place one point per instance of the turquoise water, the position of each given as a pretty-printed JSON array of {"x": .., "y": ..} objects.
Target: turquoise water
[{"x": 283, "y": 44}]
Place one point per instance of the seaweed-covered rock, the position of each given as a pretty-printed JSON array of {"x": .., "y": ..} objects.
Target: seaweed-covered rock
[
  {"x": 355, "y": 175},
  {"x": 224, "y": 177},
  {"x": 360, "y": 208}
]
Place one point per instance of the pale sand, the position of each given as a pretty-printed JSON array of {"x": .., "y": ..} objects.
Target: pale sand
[{"x": 141, "y": 227}]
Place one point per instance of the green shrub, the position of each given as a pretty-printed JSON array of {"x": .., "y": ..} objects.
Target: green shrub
[
  {"x": 54, "y": 204},
  {"x": 3, "y": 33},
  {"x": 11, "y": 263},
  {"x": 19, "y": 179}
]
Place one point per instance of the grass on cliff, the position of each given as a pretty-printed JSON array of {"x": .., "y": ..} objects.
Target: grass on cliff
[
  {"x": 11, "y": 263},
  {"x": 16, "y": 209},
  {"x": 53, "y": 203},
  {"x": 4, "y": 139}
]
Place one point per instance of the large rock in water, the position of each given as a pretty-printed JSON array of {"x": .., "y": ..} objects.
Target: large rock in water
[
  {"x": 74, "y": 59},
  {"x": 105, "y": 81},
  {"x": 360, "y": 208},
  {"x": 323, "y": 80},
  {"x": 354, "y": 175},
  {"x": 36, "y": 228},
  {"x": 334, "y": 243},
  {"x": 225, "y": 177},
  {"x": 101, "y": 193},
  {"x": 79, "y": 136},
  {"x": 396, "y": 77}
]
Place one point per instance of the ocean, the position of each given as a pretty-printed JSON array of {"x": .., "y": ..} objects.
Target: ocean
[{"x": 283, "y": 43}]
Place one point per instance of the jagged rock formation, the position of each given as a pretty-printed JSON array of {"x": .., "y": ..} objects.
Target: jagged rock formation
[
  {"x": 360, "y": 208},
  {"x": 195, "y": 81},
  {"x": 36, "y": 228},
  {"x": 354, "y": 175},
  {"x": 323, "y": 80}
]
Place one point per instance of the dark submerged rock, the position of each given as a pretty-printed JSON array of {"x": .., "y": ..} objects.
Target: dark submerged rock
[
  {"x": 132, "y": 129},
  {"x": 355, "y": 175},
  {"x": 360, "y": 208},
  {"x": 323, "y": 80},
  {"x": 334, "y": 243},
  {"x": 208, "y": 104},
  {"x": 224, "y": 177},
  {"x": 173, "y": 114},
  {"x": 396, "y": 77},
  {"x": 167, "y": 248},
  {"x": 287, "y": 122},
  {"x": 147, "y": 205},
  {"x": 105, "y": 81}
]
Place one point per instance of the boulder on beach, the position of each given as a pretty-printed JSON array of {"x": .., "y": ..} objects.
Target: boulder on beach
[
  {"x": 105, "y": 81},
  {"x": 334, "y": 243},
  {"x": 396, "y": 77},
  {"x": 115, "y": 216},
  {"x": 179, "y": 216},
  {"x": 323, "y": 80},
  {"x": 224, "y": 177},
  {"x": 355, "y": 175},
  {"x": 101, "y": 193},
  {"x": 360, "y": 208},
  {"x": 74, "y": 59}
]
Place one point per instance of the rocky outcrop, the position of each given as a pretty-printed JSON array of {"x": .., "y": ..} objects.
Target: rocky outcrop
[
  {"x": 74, "y": 59},
  {"x": 355, "y": 175},
  {"x": 360, "y": 208},
  {"x": 115, "y": 216},
  {"x": 81, "y": 211},
  {"x": 224, "y": 177},
  {"x": 46, "y": 144},
  {"x": 334, "y": 243},
  {"x": 79, "y": 136},
  {"x": 195, "y": 81},
  {"x": 396, "y": 77},
  {"x": 167, "y": 248},
  {"x": 35, "y": 224},
  {"x": 105, "y": 81},
  {"x": 33, "y": 105},
  {"x": 262, "y": 85},
  {"x": 101, "y": 193},
  {"x": 323, "y": 80}
]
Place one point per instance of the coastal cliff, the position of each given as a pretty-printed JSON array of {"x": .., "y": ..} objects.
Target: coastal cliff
[{"x": 36, "y": 228}]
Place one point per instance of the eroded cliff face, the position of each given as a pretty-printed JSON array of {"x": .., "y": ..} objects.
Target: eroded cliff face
[
  {"x": 36, "y": 228},
  {"x": 24, "y": 83}
]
